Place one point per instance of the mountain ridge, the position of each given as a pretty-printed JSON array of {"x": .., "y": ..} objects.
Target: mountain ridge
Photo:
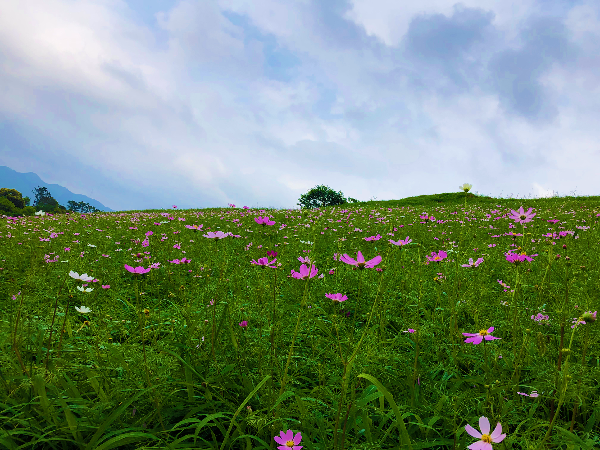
[{"x": 26, "y": 182}]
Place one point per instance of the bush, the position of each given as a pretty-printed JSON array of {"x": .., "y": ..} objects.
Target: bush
[
  {"x": 6, "y": 207},
  {"x": 320, "y": 196},
  {"x": 13, "y": 196}
]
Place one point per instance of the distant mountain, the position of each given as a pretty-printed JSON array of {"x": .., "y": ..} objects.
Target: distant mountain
[{"x": 25, "y": 183}]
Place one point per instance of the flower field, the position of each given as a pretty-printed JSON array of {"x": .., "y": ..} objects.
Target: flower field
[{"x": 442, "y": 322}]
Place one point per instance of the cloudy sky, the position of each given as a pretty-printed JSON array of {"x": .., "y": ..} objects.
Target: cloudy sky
[{"x": 145, "y": 104}]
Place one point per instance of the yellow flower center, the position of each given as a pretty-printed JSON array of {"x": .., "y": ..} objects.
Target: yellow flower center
[
  {"x": 486, "y": 438},
  {"x": 289, "y": 444},
  {"x": 523, "y": 217},
  {"x": 483, "y": 333}
]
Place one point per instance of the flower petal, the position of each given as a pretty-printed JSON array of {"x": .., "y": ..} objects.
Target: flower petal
[{"x": 484, "y": 425}]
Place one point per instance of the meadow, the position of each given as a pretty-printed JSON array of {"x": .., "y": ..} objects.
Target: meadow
[{"x": 448, "y": 321}]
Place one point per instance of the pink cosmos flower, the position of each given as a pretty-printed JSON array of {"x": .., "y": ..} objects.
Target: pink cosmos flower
[
  {"x": 264, "y": 262},
  {"x": 264, "y": 220},
  {"x": 521, "y": 216},
  {"x": 194, "y": 227},
  {"x": 139, "y": 269},
  {"x": 243, "y": 323},
  {"x": 360, "y": 261},
  {"x": 217, "y": 235},
  {"x": 533, "y": 394},
  {"x": 486, "y": 438},
  {"x": 337, "y": 297},
  {"x": 410, "y": 330},
  {"x": 471, "y": 264},
  {"x": 439, "y": 257},
  {"x": 272, "y": 253},
  {"x": 404, "y": 242},
  {"x": 476, "y": 338},
  {"x": 288, "y": 441},
  {"x": 373, "y": 238},
  {"x": 304, "y": 272}
]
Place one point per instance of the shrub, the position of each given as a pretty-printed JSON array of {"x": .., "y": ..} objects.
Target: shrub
[
  {"x": 6, "y": 207},
  {"x": 13, "y": 196},
  {"x": 320, "y": 196}
]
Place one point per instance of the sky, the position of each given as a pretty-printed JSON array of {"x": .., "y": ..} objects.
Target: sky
[{"x": 146, "y": 104}]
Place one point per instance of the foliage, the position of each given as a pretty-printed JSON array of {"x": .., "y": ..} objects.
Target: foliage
[
  {"x": 81, "y": 207},
  {"x": 42, "y": 196},
  {"x": 161, "y": 360},
  {"x": 6, "y": 206},
  {"x": 321, "y": 196},
  {"x": 13, "y": 196}
]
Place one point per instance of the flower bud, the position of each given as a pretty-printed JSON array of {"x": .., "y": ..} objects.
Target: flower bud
[
  {"x": 589, "y": 317},
  {"x": 564, "y": 245}
]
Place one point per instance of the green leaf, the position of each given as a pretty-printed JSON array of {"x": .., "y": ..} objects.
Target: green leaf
[{"x": 404, "y": 438}]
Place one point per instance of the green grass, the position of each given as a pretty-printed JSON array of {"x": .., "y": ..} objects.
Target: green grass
[{"x": 155, "y": 365}]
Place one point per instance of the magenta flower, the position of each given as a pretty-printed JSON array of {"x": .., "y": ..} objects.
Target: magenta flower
[
  {"x": 373, "y": 238},
  {"x": 410, "y": 330},
  {"x": 264, "y": 262},
  {"x": 243, "y": 323},
  {"x": 216, "y": 235},
  {"x": 337, "y": 297},
  {"x": 521, "y": 216},
  {"x": 264, "y": 220},
  {"x": 476, "y": 338},
  {"x": 288, "y": 441},
  {"x": 486, "y": 438},
  {"x": 232, "y": 205},
  {"x": 304, "y": 272},
  {"x": 404, "y": 242},
  {"x": 137, "y": 270},
  {"x": 439, "y": 257},
  {"x": 272, "y": 253},
  {"x": 518, "y": 258},
  {"x": 473, "y": 264},
  {"x": 360, "y": 261},
  {"x": 194, "y": 227},
  {"x": 533, "y": 394}
]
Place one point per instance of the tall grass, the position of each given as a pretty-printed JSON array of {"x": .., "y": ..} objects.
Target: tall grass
[{"x": 215, "y": 352}]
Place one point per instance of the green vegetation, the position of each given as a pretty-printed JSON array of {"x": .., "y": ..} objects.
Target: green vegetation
[
  {"x": 206, "y": 328},
  {"x": 13, "y": 204}
]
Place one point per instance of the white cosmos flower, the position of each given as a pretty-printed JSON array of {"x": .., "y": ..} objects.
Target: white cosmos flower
[
  {"x": 83, "y": 277},
  {"x": 83, "y": 309},
  {"x": 466, "y": 187},
  {"x": 40, "y": 213},
  {"x": 85, "y": 289},
  {"x": 91, "y": 245}
]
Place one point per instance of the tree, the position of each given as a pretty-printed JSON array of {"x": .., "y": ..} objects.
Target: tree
[
  {"x": 81, "y": 207},
  {"x": 320, "y": 196},
  {"x": 42, "y": 196},
  {"x": 13, "y": 196}
]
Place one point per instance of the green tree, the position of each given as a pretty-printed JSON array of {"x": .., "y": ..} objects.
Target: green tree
[
  {"x": 13, "y": 196},
  {"x": 42, "y": 196},
  {"x": 321, "y": 196},
  {"x": 6, "y": 207},
  {"x": 81, "y": 207}
]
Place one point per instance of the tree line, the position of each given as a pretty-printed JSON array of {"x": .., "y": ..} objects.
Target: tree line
[{"x": 12, "y": 203}]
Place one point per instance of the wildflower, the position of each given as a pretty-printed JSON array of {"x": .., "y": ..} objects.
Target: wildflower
[
  {"x": 337, "y": 297},
  {"x": 82, "y": 277},
  {"x": 272, "y": 253},
  {"x": 473, "y": 264},
  {"x": 589, "y": 316},
  {"x": 304, "y": 272},
  {"x": 486, "y": 439},
  {"x": 138, "y": 269},
  {"x": 264, "y": 262},
  {"x": 439, "y": 257},
  {"x": 521, "y": 216},
  {"x": 264, "y": 220},
  {"x": 91, "y": 289},
  {"x": 243, "y": 323},
  {"x": 399, "y": 242},
  {"x": 288, "y": 441},
  {"x": 476, "y": 338},
  {"x": 360, "y": 261},
  {"x": 533, "y": 394},
  {"x": 410, "y": 330},
  {"x": 217, "y": 235},
  {"x": 83, "y": 309},
  {"x": 466, "y": 187}
]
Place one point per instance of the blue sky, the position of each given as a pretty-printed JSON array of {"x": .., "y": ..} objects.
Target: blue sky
[{"x": 145, "y": 104}]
